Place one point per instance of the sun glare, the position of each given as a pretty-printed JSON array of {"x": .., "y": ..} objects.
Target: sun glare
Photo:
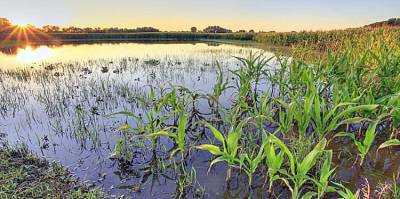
[
  {"x": 22, "y": 25},
  {"x": 20, "y": 22},
  {"x": 29, "y": 55}
]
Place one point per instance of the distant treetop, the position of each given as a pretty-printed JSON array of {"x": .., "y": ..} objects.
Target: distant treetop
[
  {"x": 6, "y": 25},
  {"x": 216, "y": 29},
  {"x": 391, "y": 23},
  {"x": 4, "y": 22}
]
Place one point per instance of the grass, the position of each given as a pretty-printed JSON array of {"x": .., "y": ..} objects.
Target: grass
[{"x": 23, "y": 175}]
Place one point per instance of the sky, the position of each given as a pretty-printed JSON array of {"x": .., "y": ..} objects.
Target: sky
[{"x": 176, "y": 15}]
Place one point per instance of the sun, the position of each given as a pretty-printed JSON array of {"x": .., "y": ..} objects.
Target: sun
[
  {"x": 22, "y": 25},
  {"x": 21, "y": 22}
]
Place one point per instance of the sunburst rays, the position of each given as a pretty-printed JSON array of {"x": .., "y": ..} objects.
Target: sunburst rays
[{"x": 24, "y": 34}]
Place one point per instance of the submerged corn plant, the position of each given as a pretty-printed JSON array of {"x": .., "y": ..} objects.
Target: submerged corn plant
[
  {"x": 370, "y": 134},
  {"x": 296, "y": 176},
  {"x": 230, "y": 144},
  {"x": 273, "y": 159},
  {"x": 326, "y": 172},
  {"x": 179, "y": 136}
]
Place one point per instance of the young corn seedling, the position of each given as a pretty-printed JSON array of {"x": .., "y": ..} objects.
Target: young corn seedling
[
  {"x": 286, "y": 115},
  {"x": 326, "y": 121},
  {"x": 364, "y": 146},
  {"x": 179, "y": 136},
  {"x": 346, "y": 193},
  {"x": 230, "y": 144},
  {"x": 297, "y": 174},
  {"x": 221, "y": 85},
  {"x": 302, "y": 115},
  {"x": 154, "y": 119},
  {"x": 325, "y": 173},
  {"x": 250, "y": 163},
  {"x": 273, "y": 159}
]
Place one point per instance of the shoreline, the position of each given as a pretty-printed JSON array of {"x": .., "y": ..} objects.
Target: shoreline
[{"x": 26, "y": 175}]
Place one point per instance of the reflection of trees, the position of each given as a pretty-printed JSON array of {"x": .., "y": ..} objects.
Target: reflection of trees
[
  {"x": 13, "y": 48},
  {"x": 9, "y": 50}
]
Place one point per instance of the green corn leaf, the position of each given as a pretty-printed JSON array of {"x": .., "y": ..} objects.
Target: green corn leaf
[
  {"x": 162, "y": 133},
  {"x": 392, "y": 142},
  {"x": 371, "y": 132},
  {"x": 124, "y": 128},
  {"x": 182, "y": 129},
  {"x": 345, "y": 134},
  {"x": 285, "y": 149},
  {"x": 309, "y": 195},
  {"x": 217, "y": 134},
  {"x": 211, "y": 148},
  {"x": 216, "y": 160},
  {"x": 311, "y": 158}
]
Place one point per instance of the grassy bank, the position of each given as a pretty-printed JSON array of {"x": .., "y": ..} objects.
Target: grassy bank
[{"x": 23, "y": 175}]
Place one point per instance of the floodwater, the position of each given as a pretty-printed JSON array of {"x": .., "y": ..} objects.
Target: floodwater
[{"x": 56, "y": 99}]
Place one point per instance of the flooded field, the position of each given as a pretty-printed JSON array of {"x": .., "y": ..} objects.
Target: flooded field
[{"x": 60, "y": 101}]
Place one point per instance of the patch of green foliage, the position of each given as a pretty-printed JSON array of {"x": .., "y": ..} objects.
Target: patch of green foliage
[{"x": 23, "y": 175}]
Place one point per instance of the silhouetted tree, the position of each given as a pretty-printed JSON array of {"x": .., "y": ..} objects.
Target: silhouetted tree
[
  {"x": 50, "y": 28},
  {"x": 216, "y": 29},
  {"x": 4, "y": 22},
  {"x": 193, "y": 29},
  {"x": 390, "y": 22}
]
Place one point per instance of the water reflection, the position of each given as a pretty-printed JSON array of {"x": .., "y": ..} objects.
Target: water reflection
[
  {"x": 29, "y": 55},
  {"x": 23, "y": 55}
]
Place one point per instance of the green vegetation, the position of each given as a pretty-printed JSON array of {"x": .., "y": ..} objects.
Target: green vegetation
[
  {"x": 287, "y": 124},
  {"x": 153, "y": 36},
  {"x": 331, "y": 40},
  {"x": 350, "y": 93},
  {"x": 393, "y": 22},
  {"x": 23, "y": 175}
]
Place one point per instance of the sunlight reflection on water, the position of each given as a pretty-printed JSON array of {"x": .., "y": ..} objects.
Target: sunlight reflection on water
[{"x": 29, "y": 55}]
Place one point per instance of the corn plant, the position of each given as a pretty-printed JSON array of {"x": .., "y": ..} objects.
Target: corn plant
[
  {"x": 273, "y": 159},
  {"x": 326, "y": 121},
  {"x": 296, "y": 176},
  {"x": 249, "y": 163},
  {"x": 346, "y": 193},
  {"x": 221, "y": 84},
  {"x": 302, "y": 115},
  {"x": 230, "y": 144},
  {"x": 154, "y": 117},
  {"x": 285, "y": 117},
  {"x": 364, "y": 146},
  {"x": 326, "y": 173},
  {"x": 179, "y": 136}
]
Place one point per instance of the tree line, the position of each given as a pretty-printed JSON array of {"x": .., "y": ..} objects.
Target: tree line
[
  {"x": 6, "y": 25},
  {"x": 393, "y": 22}
]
